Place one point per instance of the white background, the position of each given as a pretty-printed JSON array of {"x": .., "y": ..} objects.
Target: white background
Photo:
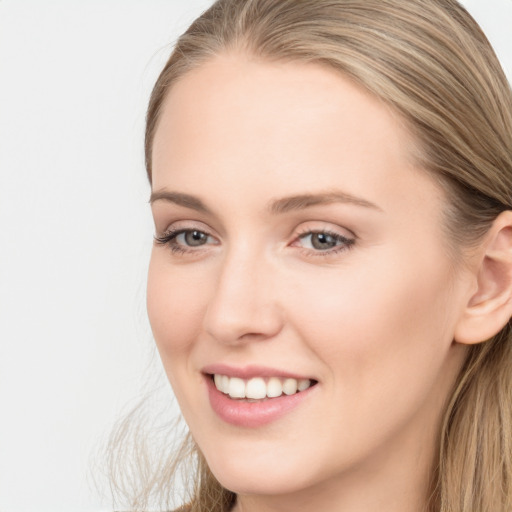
[{"x": 75, "y": 229}]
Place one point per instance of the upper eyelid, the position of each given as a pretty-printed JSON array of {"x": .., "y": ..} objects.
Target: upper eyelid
[
  {"x": 338, "y": 231},
  {"x": 346, "y": 240},
  {"x": 189, "y": 226},
  {"x": 328, "y": 227},
  {"x": 327, "y": 232},
  {"x": 178, "y": 231}
]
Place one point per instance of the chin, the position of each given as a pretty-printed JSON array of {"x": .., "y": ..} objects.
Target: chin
[
  {"x": 258, "y": 483},
  {"x": 264, "y": 474}
]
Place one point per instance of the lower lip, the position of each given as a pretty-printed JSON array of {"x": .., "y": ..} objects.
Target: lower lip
[{"x": 252, "y": 414}]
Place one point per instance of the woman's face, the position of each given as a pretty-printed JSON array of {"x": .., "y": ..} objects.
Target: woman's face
[{"x": 299, "y": 246}]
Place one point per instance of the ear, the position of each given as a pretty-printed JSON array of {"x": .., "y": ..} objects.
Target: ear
[{"x": 490, "y": 307}]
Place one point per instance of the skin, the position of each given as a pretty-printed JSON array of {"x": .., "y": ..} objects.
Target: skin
[{"x": 372, "y": 321}]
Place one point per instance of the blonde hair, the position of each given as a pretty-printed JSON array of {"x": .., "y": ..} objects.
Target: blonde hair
[{"x": 430, "y": 61}]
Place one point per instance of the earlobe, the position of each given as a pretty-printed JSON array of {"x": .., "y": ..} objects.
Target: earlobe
[{"x": 490, "y": 307}]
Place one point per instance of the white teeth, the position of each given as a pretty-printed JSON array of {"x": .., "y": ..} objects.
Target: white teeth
[
  {"x": 290, "y": 386},
  {"x": 256, "y": 388},
  {"x": 224, "y": 384},
  {"x": 236, "y": 388},
  {"x": 303, "y": 384},
  {"x": 259, "y": 388},
  {"x": 274, "y": 387}
]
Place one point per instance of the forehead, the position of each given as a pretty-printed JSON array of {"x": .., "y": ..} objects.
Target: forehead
[{"x": 289, "y": 127}]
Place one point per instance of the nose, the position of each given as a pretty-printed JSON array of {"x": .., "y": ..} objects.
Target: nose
[{"x": 243, "y": 306}]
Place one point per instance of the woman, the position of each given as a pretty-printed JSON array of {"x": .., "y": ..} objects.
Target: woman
[{"x": 331, "y": 281}]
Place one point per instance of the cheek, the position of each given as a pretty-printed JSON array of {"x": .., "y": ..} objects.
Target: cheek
[
  {"x": 378, "y": 321},
  {"x": 383, "y": 335},
  {"x": 174, "y": 304}
]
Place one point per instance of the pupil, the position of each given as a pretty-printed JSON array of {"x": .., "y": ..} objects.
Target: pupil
[
  {"x": 195, "y": 238},
  {"x": 322, "y": 241}
]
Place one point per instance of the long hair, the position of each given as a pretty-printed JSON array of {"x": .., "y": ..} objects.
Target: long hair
[{"x": 431, "y": 62}]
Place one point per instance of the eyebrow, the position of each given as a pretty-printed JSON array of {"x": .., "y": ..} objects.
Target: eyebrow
[
  {"x": 180, "y": 199},
  {"x": 275, "y": 206},
  {"x": 303, "y": 201}
]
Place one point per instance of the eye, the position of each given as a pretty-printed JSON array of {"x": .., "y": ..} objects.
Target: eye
[
  {"x": 192, "y": 238},
  {"x": 185, "y": 240},
  {"x": 325, "y": 242}
]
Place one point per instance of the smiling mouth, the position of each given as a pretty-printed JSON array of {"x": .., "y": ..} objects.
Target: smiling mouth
[{"x": 259, "y": 388}]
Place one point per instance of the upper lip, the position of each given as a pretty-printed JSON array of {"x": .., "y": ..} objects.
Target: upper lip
[{"x": 250, "y": 371}]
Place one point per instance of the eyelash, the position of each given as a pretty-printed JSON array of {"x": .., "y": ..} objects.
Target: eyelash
[
  {"x": 345, "y": 243},
  {"x": 169, "y": 237}
]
